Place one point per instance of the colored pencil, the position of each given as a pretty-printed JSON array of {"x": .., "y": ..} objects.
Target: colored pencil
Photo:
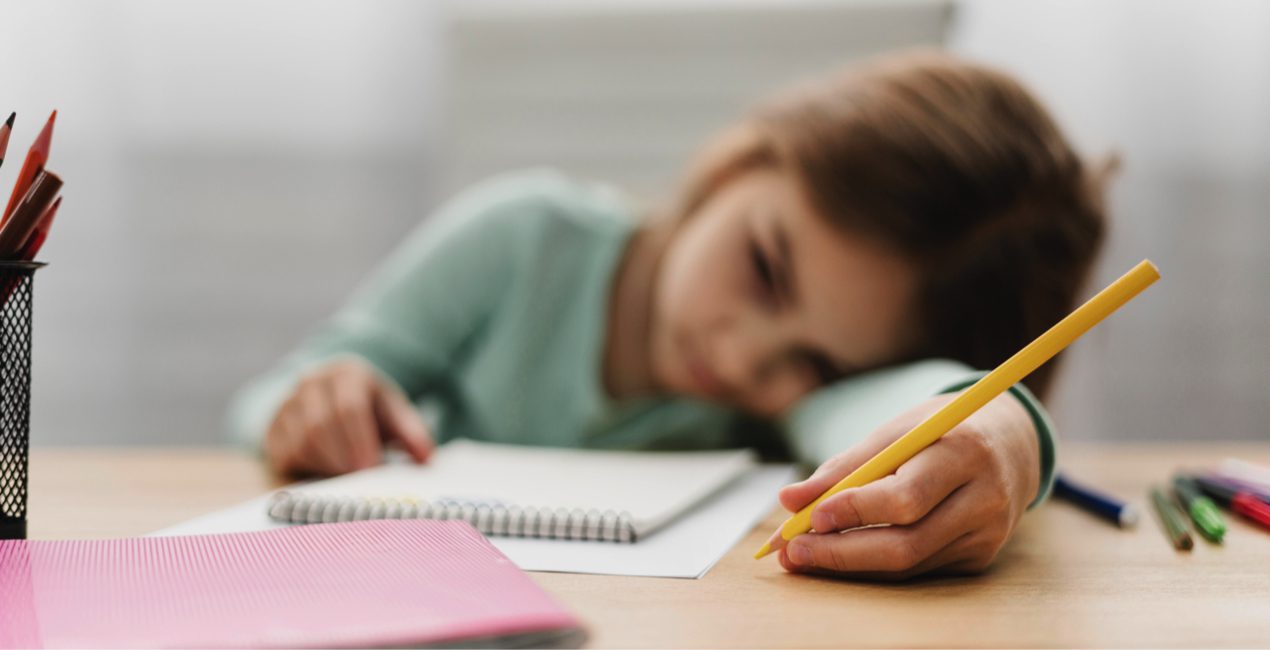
[
  {"x": 5, "y": 131},
  {"x": 980, "y": 393},
  {"x": 31, "y": 167},
  {"x": 40, "y": 233},
  {"x": 17, "y": 230},
  {"x": 1173, "y": 520},
  {"x": 32, "y": 247}
]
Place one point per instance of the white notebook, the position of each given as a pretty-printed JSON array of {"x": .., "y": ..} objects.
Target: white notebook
[{"x": 520, "y": 491}]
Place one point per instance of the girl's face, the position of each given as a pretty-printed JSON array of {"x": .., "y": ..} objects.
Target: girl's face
[{"x": 759, "y": 300}]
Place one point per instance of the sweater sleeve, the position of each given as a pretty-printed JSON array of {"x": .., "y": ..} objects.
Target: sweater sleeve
[
  {"x": 836, "y": 417},
  {"x": 418, "y": 312}
]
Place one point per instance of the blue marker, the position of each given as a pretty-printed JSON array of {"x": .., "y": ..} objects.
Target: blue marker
[{"x": 1122, "y": 514}]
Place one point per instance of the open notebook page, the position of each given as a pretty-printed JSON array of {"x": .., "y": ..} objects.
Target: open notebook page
[{"x": 653, "y": 487}]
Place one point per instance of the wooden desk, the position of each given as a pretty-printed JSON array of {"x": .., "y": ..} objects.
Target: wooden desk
[{"x": 1065, "y": 579}]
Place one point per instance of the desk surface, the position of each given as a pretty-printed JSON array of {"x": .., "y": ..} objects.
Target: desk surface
[{"x": 1065, "y": 579}]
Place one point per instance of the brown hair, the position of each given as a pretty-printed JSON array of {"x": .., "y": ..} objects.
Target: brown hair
[{"x": 955, "y": 166}]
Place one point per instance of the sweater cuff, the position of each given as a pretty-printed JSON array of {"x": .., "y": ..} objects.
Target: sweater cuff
[{"x": 1044, "y": 433}]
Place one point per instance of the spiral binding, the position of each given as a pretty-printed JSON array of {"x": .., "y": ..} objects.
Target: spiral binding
[{"x": 490, "y": 518}]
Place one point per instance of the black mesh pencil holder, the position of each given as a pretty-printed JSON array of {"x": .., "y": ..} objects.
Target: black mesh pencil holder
[{"x": 16, "y": 280}]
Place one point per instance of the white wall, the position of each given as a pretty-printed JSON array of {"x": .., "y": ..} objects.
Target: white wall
[{"x": 232, "y": 169}]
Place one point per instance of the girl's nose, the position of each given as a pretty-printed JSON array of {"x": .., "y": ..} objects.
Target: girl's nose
[{"x": 749, "y": 354}]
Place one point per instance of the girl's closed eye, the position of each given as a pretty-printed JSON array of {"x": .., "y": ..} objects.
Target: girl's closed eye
[
  {"x": 768, "y": 285},
  {"x": 773, "y": 294},
  {"x": 770, "y": 290}
]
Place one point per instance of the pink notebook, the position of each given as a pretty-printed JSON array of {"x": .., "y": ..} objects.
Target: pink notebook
[{"x": 371, "y": 583}]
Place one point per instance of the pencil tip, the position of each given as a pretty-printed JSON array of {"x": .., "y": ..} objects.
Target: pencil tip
[
  {"x": 767, "y": 548},
  {"x": 9, "y": 122}
]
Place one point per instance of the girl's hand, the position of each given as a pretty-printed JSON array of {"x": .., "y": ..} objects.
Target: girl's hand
[
  {"x": 337, "y": 419},
  {"x": 950, "y": 508}
]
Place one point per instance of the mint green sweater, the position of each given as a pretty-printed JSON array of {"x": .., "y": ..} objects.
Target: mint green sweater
[{"x": 492, "y": 315}]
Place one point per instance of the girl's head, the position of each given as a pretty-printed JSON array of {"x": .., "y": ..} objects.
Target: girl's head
[{"x": 915, "y": 207}]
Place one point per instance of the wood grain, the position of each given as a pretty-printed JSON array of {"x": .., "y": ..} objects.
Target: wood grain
[{"x": 1065, "y": 580}]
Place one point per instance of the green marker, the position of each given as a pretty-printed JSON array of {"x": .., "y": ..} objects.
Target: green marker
[{"x": 1203, "y": 511}]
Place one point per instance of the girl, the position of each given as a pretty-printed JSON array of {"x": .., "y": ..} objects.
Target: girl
[{"x": 854, "y": 249}]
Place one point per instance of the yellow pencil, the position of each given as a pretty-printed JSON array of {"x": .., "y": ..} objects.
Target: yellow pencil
[{"x": 972, "y": 399}]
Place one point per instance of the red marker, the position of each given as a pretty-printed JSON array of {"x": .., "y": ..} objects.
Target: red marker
[
  {"x": 1244, "y": 503},
  {"x": 31, "y": 167},
  {"x": 1252, "y": 508}
]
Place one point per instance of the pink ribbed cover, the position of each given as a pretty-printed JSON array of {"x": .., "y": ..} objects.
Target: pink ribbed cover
[{"x": 352, "y": 584}]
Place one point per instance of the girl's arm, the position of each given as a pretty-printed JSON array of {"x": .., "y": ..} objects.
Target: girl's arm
[{"x": 412, "y": 320}]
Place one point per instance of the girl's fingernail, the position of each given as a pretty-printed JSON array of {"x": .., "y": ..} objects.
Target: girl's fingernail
[{"x": 799, "y": 554}]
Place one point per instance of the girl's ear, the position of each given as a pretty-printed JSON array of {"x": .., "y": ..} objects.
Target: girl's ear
[{"x": 1103, "y": 172}]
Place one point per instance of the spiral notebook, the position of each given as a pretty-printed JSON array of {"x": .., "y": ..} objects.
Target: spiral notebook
[
  {"x": 360, "y": 584},
  {"x": 520, "y": 491}
]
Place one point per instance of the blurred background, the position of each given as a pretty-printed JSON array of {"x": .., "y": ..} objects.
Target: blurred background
[{"x": 235, "y": 168}]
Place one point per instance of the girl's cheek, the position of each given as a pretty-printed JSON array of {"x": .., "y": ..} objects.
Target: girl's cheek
[{"x": 781, "y": 394}]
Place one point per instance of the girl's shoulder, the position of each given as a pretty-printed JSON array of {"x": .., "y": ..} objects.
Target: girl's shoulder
[
  {"x": 542, "y": 201},
  {"x": 518, "y": 224}
]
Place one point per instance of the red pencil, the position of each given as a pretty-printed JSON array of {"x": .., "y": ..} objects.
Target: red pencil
[
  {"x": 41, "y": 232},
  {"x": 17, "y": 232},
  {"x": 31, "y": 167},
  {"x": 33, "y": 244},
  {"x": 4, "y": 135}
]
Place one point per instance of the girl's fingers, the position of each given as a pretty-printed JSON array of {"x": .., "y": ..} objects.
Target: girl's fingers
[
  {"x": 903, "y": 497},
  {"x": 401, "y": 421},
  {"x": 353, "y": 403},
  {"x": 950, "y": 560},
  {"x": 328, "y": 451},
  {"x": 796, "y": 495},
  {"x": 892, "y": 550},
  {"x": 282, "y": 441}
]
